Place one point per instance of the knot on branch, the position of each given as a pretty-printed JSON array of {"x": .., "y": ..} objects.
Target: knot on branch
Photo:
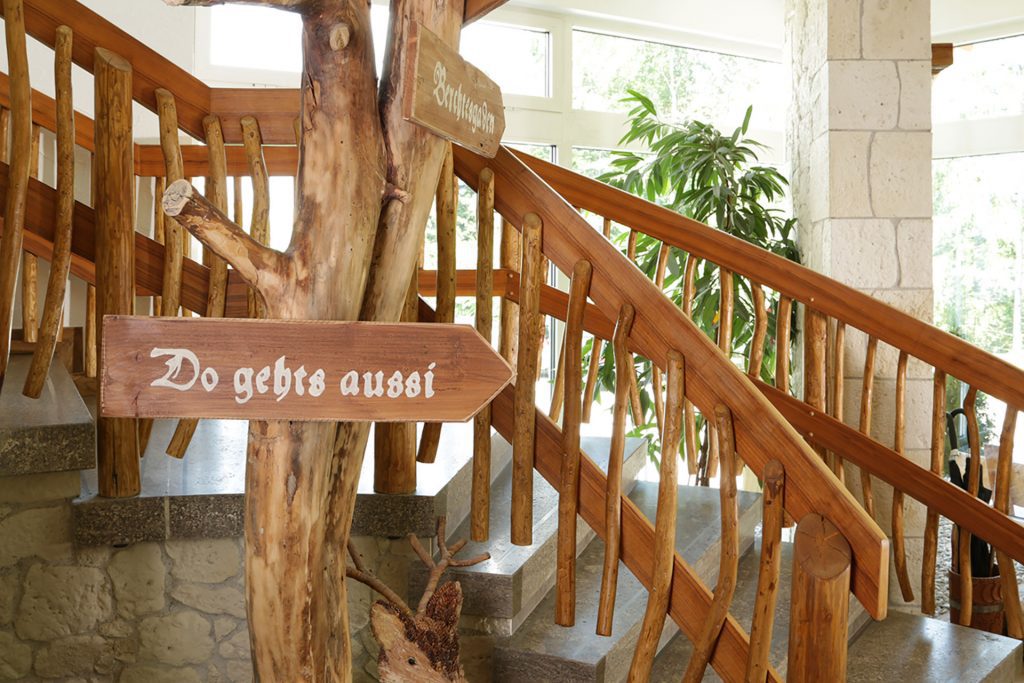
[{"x": 341, "y": 34}]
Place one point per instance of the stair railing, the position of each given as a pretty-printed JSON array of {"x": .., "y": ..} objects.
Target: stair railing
[{"x": 658, "y": 327}]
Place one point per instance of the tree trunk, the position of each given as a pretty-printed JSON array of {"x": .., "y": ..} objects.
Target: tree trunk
[{"x": 365, "y": 186}]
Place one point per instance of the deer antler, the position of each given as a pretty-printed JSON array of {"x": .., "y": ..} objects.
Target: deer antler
[
  {"x": 447, "y": 560},
  {"x": 357, "y": 570}
]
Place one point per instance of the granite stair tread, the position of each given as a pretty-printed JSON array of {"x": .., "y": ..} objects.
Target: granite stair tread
[
  {"x": 202, "y": 495},
  {"x": 543, "y": 651},
  {"x": 52, "y": 433},
  {"x": 501, "y": 592},
  {"x": 911, "y": 648}
]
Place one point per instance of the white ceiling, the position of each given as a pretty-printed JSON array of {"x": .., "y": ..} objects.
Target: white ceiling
[{"x": 760, "y": 23}]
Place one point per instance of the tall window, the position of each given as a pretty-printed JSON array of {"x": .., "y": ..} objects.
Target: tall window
[{"x": 683, "y": 83}]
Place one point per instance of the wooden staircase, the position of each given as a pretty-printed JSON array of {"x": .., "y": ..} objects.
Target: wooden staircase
[{"x": 515, "y": 596}]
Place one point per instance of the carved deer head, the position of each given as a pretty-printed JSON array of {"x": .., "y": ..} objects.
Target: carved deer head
[
  {"x": 420, "y": 646},
  {"x": 423, "y": 648}
]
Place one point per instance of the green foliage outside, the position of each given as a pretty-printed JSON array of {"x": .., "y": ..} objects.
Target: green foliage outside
[{"x": 694, "y": 169}]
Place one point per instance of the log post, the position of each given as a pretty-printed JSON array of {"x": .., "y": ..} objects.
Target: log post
[
  {"x": 526, "y": 369},
  {"x": 60, "y": 264},
  {"x": 117, "y": 454},
  {"x": 480, "y": 509},
  {"x": 17, "y": 182},
  {"x": 820, "y": 602}
]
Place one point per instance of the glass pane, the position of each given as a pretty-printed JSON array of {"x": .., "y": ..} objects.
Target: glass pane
[
  {"x": 261, "y": 38},
  {"x": 986, "y": 80},
  {"x": 683, "y": 83},
  {"x": 256, "y": 38},
  {"x": 545, "y": 152},
  {"x": 515, "y": 58}
]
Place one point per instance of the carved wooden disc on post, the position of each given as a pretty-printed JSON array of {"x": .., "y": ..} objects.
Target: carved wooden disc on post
[
  {"x": 296, "y": 370},
  {"x": 451, "y": 97}
]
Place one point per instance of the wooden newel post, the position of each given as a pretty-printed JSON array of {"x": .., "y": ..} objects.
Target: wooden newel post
[
  {"x": 820, "y": 602},
  {"x": 117, "y": 446}
]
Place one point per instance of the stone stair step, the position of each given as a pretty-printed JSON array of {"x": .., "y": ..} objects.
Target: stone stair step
[
  {"x": 500, "y": 593},
  {"x": 52, "y": 433},
  {"x": 543, "y": 651},
  {"x": 202, "y": 495},
  {"x": 672, "y": 661},
  {"x": 911, "y": 648}
]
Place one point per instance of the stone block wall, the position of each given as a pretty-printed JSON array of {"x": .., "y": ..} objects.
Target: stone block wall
[
  {"x": 860, "y": 147},
  {"x": 169, "y": 612}
]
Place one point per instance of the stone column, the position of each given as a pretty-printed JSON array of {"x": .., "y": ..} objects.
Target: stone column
[{"x": 860, "y": 144}]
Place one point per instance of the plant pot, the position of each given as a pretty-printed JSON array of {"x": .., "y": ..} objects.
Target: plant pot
[{"x": 987, "y": 613}]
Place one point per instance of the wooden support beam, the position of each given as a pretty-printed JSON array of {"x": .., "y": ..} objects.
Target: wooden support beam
[
  {"x": 942, "y": 57},
  {"x": 117, "y": 456}
]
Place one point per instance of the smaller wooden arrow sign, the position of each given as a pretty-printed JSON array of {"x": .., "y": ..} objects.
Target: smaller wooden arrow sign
[
  {"x": 296, "y": 370},
  {"x": 450, "y": 96}
]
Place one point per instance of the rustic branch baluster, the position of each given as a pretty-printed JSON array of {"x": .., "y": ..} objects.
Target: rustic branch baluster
[
  {"x": 899, "y": 550},
  {"x": 782, "y": 336},
  {"x": 569, "y": 490},
  {"x": 17, "y": 180},
  {"x": 259, "y": 227},
  {"x": 613, "y": 485},
  {"x": 526, "y": 370},
  {"x": 1007, "y": 568},
  {"x": 216, "y": 192},
  {"x": 656, "y": 383},
  {"x": 768, "y": 572},
  {"x": 963, "y": 534},
  {"x": 595, "y": 352},
  {"x": 446, "y": 214},
  {"x": 838, "y": 388},
  {"x": 664, "y": 527},
  {"x": 931, "y": 528},
  {"x": 756, "y": 359},
  {"x": 30, "y": 263},
  {"x": 729, "y": 560},
  {"x": 60, "y": 263},
  {"x": 689, "y": 415},
  {"x": 866, "y": 396},
  {"x": 481, "y": 499},
  {"x": 174, "y": 238},
  {"x": 815, "y": 362},
  {"x": 509, "y": 310}
]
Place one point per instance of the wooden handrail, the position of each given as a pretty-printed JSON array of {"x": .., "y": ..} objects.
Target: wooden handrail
[
  {"x": 761, "y": 433},
  {"x": 926, "y": 342}
]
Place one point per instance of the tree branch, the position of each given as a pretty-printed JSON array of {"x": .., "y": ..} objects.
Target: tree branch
[
  {"x": 261, "y": 267},
  {"x": 294, "y": 5}
]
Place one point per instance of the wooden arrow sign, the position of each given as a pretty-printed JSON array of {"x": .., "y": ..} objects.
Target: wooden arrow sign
[
  {"x": 450, "y": 96},
  {"x": 296, "y": 370}
]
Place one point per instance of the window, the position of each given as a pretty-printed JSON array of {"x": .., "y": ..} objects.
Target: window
[
  {"x": 986, "y": 80},
  {"x": 517, "y": 59},
  {"x": 683, "y": 83}
]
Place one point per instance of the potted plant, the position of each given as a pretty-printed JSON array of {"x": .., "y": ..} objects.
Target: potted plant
[{"x": 715, "y": 178}]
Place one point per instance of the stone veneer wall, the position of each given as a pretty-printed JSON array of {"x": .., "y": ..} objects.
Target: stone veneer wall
[
  {"x": 169, "y": 612},
  {"x": 860, "y": 143}
]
